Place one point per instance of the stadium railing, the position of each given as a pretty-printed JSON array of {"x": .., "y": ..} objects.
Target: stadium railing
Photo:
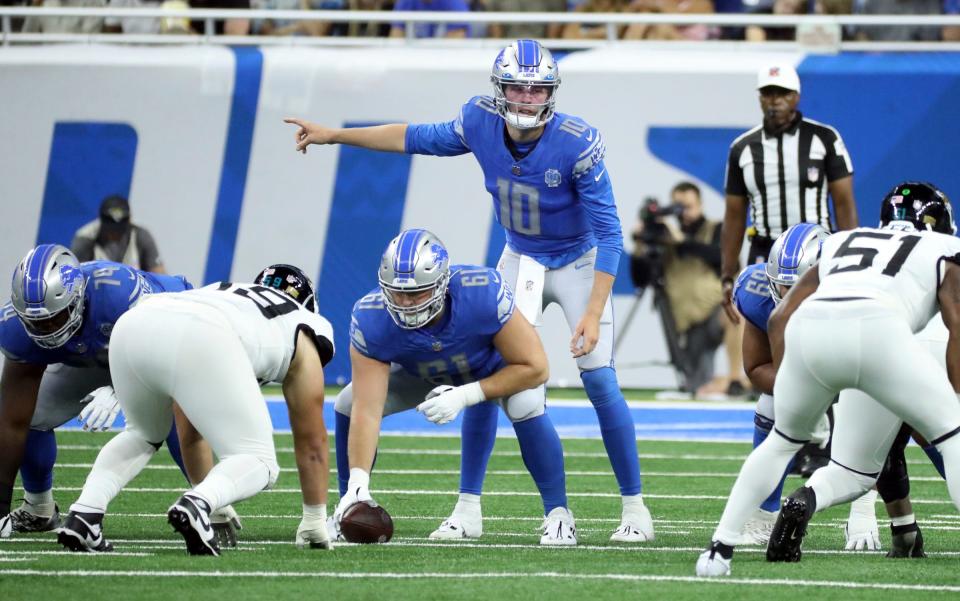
[{"x": 814, "y": 32}]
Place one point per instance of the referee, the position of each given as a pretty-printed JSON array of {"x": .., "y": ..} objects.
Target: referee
[{"x": 782, "y": 170}]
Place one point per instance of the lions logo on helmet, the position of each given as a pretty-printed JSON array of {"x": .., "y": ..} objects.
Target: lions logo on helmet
[
  {"x": 795, "y": 251},
  {"x": 525, "y": 63},
  {"x": 917, "y": 206},
  {"x": 414, "y": 274},
  {"x": 291, "y": 281},
  {"x": 47, "y": 295}
]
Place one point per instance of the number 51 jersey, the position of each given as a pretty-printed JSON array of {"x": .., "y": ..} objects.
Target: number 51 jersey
[
  {"x": 900, "y": 269},
  {"x": 267, "y": 322}
]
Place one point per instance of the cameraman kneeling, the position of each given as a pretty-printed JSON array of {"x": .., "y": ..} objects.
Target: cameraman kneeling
[{"x": 678, "y": 246}]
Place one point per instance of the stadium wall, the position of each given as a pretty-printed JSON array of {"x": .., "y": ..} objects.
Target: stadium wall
[{"x": 194, "y": 136}]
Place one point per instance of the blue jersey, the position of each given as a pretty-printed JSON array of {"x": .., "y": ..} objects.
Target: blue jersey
[
  {"x": 752, "y": 295},
  {"x": 111, "y": 289},
  {"x": 556, "y": 202},
  {"x": 457, "y": 350}
]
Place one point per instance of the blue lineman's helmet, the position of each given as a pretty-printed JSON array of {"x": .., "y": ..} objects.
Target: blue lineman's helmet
[
  {"x": 47, "y": 294},
  {"x": 917, "y": 205},
  {"x": 291, "y": 281},
  {"x": 415, "y": 262},
  {"x": 525, "y": 63},
  {"x": 795, "y": 251}
]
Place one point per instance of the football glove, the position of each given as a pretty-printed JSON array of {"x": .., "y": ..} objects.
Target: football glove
[
  {"x": 225, "y": 523},
  {"x": 444, "y": 403},
  {"x": 358, "y": 491},
  {"x": 100, "y": 409},
  {"x": 6, "y": 526},
  {"x": 312, "y": 531},
  {"x": 821, "y": 433}
]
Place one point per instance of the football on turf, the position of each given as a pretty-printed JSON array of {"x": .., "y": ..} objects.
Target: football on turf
[{"x": 366, "y": 522}]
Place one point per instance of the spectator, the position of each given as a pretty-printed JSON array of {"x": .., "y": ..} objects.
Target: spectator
[
  {"x": 755, "y": 33},
  {"x": 639, "y": 31},
  {"x": 113, "y": 237},
  {"x": 289, "y": 27},
  {"x": 369, "y": 29},
  {"x": 580, "y": 31},
  {"x": 431, "y": 30},
  {"x": 237, "y": 26},
  {"x": 65, "y": 24},
  {"x": 898, "y": 33},
  {"x": 684, "y": 255},
  {"x": 518, "y": 31},
  {"x": 951, "y": 33},
  {"x": 132, "y": 25}
]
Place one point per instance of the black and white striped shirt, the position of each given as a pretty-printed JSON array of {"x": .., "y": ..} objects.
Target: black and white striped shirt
[{"x": 785, "y": 176}]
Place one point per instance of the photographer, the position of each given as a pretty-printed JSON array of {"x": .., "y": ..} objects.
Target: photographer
[{"x": 678, "y": 249}]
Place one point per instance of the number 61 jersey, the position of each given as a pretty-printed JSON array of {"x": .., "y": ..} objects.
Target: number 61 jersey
[
  {"x": 900, "y": 269},
  {"x": 267, "y": 322}
]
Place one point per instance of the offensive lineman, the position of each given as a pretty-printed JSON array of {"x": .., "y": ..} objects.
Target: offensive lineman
[
  {"x": 872, "y": 291},
  {"x": 210, "y": 349},
  {"x": 442, "y": 338},
  {"x": 54, "y": 335},
  {"x": 552, "y": 194}
]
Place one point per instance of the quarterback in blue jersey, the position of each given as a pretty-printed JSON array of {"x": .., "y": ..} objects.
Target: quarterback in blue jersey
[
  {"x": 552, "y": 194},
  {"x": 54, "y": 334},
  {"x": 441, "y": 338}
]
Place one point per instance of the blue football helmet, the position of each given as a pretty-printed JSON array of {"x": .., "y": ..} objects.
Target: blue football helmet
[
  {"x": 291, "y": 281},
  {"x": 917, "y": 206},
  {"x": 47, "y": 294},
  {"x": 795, "y": 251},
  {"x": 415, "y": 263},
  {"x": 525, "y": 63}
]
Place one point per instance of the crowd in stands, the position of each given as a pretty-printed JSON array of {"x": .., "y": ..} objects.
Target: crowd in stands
[{"x": 244, "y": 26}]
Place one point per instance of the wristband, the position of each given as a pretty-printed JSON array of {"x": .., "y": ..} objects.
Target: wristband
[
  {"x": 358, "y": 477},
  {"x": 473, "y": 393},
  {"x": 315, "y": 512}
]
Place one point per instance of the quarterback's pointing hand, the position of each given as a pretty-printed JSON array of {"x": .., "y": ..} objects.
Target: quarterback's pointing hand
[{"x": 310, "y": 133}]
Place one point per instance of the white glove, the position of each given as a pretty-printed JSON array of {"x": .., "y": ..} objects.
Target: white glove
[
  {"x": 358, "y": 491},
  {"x": 101, "y": 409},
  {"x": 312, "y": 531},
  {"x": 225, "y": 523},
  {"x": 6, "y": 526},
  {"x": 861, "y": 530},
  {"x": 444, "y": 403},
  {"x": 821, "y": 433}
]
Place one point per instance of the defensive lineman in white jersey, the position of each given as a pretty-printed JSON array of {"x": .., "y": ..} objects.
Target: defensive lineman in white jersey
[
  {"x": 210, "y": 349},
  {"x": 872, "y": 291}
]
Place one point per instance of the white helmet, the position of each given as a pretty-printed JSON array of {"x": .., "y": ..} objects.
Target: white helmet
[
  {"x": 525, "y": 63},
  {"x": 414, "y": 262}
]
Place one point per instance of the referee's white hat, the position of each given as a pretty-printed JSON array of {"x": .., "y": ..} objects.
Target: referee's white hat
[{"x": 780, "y": 75}]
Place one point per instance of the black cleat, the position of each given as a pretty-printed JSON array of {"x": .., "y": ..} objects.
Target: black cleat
[
  {"x": 83, "y": 533},
  {"x": 28, "y": 518},
  {"x": 907, "y": 542},
  {"x": 190, "y": 516},
  {"x": 787, "y": 536}
]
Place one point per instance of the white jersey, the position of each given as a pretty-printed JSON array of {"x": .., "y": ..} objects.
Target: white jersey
[
  {"x": 900, "y": 269},
  {"x": 266, "y": 320}
]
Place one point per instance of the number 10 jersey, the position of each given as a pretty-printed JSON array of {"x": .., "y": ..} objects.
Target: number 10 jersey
[{"x": 900, "y": 269}]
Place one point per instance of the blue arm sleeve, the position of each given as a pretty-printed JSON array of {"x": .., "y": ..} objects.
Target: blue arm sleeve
[
  {"x": 596, "y": 194},
  {"x": 439, "y": 139}
]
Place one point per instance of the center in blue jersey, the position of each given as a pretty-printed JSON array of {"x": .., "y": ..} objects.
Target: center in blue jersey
[
  {"x": 456, "y": 350},
  {"x": 556, "y": 202},
  {"x": 111, "y": 289},
  {"x": 752, "y": 295}
]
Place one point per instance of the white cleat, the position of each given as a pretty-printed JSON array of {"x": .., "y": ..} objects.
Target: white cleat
[
  {"x": 861, "y": 531},
  {"x": 758, "y": 528},
  {"x": 636, "y": 526},
  {"x": 558, "y": 528},
  {"x": 458, "y": 528},
  {"x": 711, "y": 564}
]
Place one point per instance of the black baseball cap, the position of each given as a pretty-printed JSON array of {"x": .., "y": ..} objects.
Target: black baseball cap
[{"x": 115, "y": 210}]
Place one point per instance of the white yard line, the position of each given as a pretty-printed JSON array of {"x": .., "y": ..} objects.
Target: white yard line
[{"x": 841, "y": 584}]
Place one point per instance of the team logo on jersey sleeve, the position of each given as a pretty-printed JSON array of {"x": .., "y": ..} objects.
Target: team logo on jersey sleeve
[{"x": 552, "y": 178}]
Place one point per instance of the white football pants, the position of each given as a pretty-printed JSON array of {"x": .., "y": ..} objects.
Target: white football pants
[
  {"x": 569, "y": 286},
  {"x": 165, "y": 350}
]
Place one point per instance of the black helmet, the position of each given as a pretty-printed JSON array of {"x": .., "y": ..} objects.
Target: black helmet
[
  {"x": 291, "y": 281},
  {"x": 921, "y": 204}
]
